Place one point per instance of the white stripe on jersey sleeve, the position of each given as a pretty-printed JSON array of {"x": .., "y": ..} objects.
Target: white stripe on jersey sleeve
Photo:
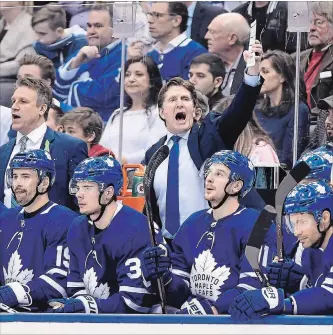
[
  {"x": 75, "y": 284},
  {"x": 247, "y": 287},
  {"x": 328, "y": 281},
  {"x": 81, "y": 292},
  {"x": 134, "y": 306},
  {"x": 56, "y": 270},
  {"x": 180, "y": 273},
  {"x": 247, "y": 274},
  {"x": 55, "y": 285},
  {"x": 133, "y": 289}
]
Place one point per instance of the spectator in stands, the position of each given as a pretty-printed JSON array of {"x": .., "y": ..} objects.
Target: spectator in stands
[
  {"x": 91, "y": 78},
  {"x": 37, "y": 66},
  {"x": 78, "y": 11},
  {"x": 3, "y": 208},
  {"x": 87, "y": 125},
  {"x": 202, "y": 108},
  {"x": 141, "y": 125},
  {"x": 317, "y": 62},
  {"x": 190, "y": 145},
  {"x": 173, "y": 51},
  {"x": 207, "y": 72},
  {"x": 31, "y": 101},
  {"x": 253, "y": 142},
  {"x": 200, "y": 15},
  {"x": 54, "y": 41},
  {"x": 227, "y": 36},
  {"x": 54, "y": 116},
  {"x": 275, "y": 113},
  {"x": 16, "y": 38},
  {"x": 272, "y": 22}
]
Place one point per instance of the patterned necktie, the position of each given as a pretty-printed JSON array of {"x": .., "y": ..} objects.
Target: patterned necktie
[
  {"x": 172, "y": 216},
  {"x": 23, "y": 147},
  {"x": 23, "y": 143}
]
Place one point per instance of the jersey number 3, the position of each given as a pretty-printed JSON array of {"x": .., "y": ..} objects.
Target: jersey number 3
[{"x": 135, "y": 268}]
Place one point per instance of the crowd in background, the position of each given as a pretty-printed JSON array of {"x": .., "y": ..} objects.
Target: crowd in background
[{"x": 189, "y": 85}]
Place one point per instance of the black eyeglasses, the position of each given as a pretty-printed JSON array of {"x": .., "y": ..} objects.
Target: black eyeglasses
[{"x": 156, "y": 15}]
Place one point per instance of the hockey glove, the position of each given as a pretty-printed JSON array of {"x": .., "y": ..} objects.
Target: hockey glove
[
  {"x": 197, "y": 306},
  {"x": 156, "y": 262},
  {"x": 256, "y": 303},
  {"x": 285, "y": 275},
  {"x": 80, "y": 304},
  {"x": 15, "y": 295}
]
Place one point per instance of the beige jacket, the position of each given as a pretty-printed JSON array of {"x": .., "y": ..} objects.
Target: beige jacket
[{"x": 16, "y": 43}]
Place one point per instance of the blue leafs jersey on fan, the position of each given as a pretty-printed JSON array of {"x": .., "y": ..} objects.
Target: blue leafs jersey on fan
[
  {"x": 209, "y": 258},
  {"x": 106, "y": 264},
  {"x": 33, "y": 251}
]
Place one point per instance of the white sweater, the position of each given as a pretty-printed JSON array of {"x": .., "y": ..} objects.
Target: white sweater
[{"x": 141, "y": 130}]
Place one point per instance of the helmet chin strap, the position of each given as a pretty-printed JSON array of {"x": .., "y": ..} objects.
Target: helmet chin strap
[
  {"x": 103, "y": 207},
  {"x": 319, "y": 243},
  {"x": 34, "y": 197},
  {"x": 226, "y": 195}
]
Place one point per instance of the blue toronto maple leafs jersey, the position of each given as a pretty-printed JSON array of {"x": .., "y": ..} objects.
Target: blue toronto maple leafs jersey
[
  {"x": 317, "y": 299},
  {"x": 33, "y": 251},
  {"x": 209, "y": 258},
  {"x": 176, "y": 63},
  {"x": 106, "y": 264}
]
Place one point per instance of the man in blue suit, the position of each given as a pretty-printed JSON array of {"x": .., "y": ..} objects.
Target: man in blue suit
[
  {"x": 31, "y": 101},
  {"x": 178, "y": 187}
]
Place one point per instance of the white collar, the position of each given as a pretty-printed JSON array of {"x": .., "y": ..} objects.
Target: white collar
[
  {"x": 172, "y": 44},
  {"x": 35, "y": 135},
  {"x": 182, "y": 135}
]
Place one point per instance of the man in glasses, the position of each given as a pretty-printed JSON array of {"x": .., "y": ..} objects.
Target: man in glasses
[
  {"x": 173, "y": 51},
  {"x": 317, "y": 62}
]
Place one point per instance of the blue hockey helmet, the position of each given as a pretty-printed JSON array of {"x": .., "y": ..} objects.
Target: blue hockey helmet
[
  {"x": 312, "y": 198},
  {"x": 320, "y": 162},
  {"x": 103, "y": 170},
  {"x": 38, "y": 160},
  {"x": 241, "y": 168}
]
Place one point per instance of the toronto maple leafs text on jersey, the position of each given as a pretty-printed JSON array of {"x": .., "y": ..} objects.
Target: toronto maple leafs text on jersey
[
  {"x": 33, "y": 251},
  {"x": 209, "y": 259},
  {"x": 106, "y": 265}
]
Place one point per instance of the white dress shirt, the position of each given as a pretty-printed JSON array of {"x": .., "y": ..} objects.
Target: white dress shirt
[
  {"x": 191, "y": 185},
  {"x": 190, "y": 11},
  {"x": 35, "y": 139},
  {"x": 176, "y": 42}
]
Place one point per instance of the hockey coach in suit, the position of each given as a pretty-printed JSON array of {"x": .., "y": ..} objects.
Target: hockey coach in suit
[
  {"x": 31, "y": 101},
  {"x": 190, "y": 145}
]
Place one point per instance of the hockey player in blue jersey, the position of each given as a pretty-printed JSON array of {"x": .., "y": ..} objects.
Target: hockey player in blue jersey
[
  {"x": 208, "y": 267},
  {"x": 105, "y": 245},
  {"x": 33, "y": 251},
  {"x": 308, "y": 209}
]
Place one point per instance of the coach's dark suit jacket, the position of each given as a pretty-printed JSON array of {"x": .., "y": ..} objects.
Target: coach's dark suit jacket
[
  {"x": 217, "y": 132},
  {"x": 202, "y": 17},
  {"x": 67, "y": 153}
]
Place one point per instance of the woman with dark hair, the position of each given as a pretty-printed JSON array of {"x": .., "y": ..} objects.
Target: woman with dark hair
[
  {"x": 142, "y": 124},
  {"x": 275, "y": 113}
]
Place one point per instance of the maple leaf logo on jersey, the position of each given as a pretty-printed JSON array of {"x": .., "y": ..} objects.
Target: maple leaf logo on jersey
[
  {"x": 90, "y": 282},
  {"x": 206, "y": 278},
  {"x": 14, "y": 273}
]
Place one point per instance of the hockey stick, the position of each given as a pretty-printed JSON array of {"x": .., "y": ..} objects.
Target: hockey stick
[
  {"x": 299, "y": 172},
  {"x": 256, "y": 240},
  {"x": 7, "y": 309},
  {"x": 160, "y": 155}
]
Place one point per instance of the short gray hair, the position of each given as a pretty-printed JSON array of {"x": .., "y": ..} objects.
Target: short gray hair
[
  {"x": 323, "y": 8},
  {"x": 42, "y": 88},
  {"x": 105, "y": 7}
]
